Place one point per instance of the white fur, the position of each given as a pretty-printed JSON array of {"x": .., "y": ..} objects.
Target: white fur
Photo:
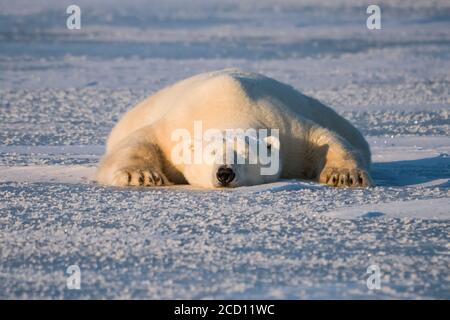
[{"x": 315, "y": 142}]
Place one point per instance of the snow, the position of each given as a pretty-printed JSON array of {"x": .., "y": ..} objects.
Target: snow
[
  {"x": 397, "y": 209},
  {"x": 62, "y": 91}
]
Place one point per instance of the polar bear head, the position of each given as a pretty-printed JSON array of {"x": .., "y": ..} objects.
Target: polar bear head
[{"x": 231, "y": 160}]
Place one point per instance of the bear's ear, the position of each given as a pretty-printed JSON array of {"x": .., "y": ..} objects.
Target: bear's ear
[{"x": 272, "y": 142}]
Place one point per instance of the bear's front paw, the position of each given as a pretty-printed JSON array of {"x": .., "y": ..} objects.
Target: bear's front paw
[
  {"x": 132, "y": 176},
  {"x": 337, "y": 177}
]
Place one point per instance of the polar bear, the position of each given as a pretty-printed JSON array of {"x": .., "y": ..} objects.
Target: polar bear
[{"x": 313, "y": 142}]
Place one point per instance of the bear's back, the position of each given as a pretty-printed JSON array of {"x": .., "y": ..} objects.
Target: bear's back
[
  {"x": 207, "y": 95},
  {"x": 231, "y": 98}
]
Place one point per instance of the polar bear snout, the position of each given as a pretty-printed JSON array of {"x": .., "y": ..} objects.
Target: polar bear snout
[{"x": 225, "y": 175}]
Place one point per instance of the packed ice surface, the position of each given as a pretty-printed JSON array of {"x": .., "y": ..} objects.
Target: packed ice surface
[{"x": 61, "y": 92}]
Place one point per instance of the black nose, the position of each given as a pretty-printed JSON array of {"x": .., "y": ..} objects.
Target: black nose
[{"x": 225, "y": 175}]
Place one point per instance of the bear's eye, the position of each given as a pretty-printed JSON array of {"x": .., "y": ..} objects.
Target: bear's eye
[
  {"x": 213, "y": 153},
  {"x": 269, "y": 147}
]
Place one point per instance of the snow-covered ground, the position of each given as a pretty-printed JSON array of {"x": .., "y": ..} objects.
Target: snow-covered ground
[{"x": 61, "y": 91}]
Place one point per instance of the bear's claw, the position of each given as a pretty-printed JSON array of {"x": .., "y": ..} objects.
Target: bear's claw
[
  {"x": 139, "y": 177},
  {"x": 337, "y": 177}
]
